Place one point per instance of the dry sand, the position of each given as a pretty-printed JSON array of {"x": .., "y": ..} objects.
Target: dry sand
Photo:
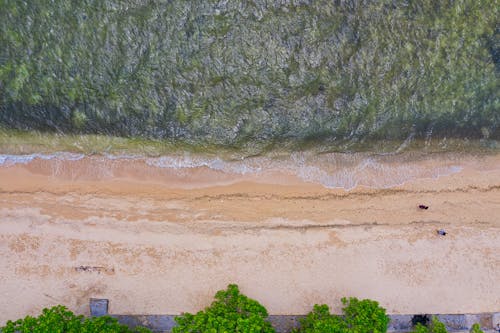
[{"x": 155, "y": 241}]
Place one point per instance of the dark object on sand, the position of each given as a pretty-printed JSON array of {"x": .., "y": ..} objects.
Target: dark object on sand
[
  {"x": 95, "y": 269},
  {"x": 423, "y": 207},
  {"x": 441, "y": 232}
]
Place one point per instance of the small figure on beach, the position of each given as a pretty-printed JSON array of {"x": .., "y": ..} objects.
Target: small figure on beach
[
  {"x": 441, "y": 232},
  {"x": 423, "y": 207}
]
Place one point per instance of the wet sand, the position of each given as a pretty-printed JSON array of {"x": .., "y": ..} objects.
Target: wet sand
[{"x": 163, "y": 241}]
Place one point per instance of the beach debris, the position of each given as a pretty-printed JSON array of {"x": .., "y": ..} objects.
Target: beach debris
[
  {"x": 441, "y": 232},
  {"x": 423, "y": 207},
  {"x": 95, "y": 269}
]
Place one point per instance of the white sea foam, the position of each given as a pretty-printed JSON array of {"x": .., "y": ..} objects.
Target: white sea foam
[
  {"x": 7, "y": 160},
  {"x": 121, "y": 157},
  {"x": 187, "y": 162},
  {"x": 331, "y": 170}
]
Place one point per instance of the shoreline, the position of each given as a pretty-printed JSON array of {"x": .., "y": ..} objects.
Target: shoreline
[
  {"x": 166, "y": 241},
  {"x": 333, "y": 171},
  {"x": 14, "y": 141}
]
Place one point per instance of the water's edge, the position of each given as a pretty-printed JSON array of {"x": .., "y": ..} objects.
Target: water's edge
[{"x": 331, "y": 170}]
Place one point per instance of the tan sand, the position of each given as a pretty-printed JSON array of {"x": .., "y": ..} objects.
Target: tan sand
[{"x": 163, "y": 242}]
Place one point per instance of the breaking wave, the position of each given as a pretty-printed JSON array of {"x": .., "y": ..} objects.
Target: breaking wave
[{"x": 332, "y": 170}]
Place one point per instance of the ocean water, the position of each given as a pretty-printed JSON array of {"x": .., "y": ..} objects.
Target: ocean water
[
  {"x": 264, "y": 74},
  {"x": 238, "y": 72}
]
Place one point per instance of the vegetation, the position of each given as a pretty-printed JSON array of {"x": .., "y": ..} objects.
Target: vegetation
[
  {"x": 26, "y": 142},
  {"x": 59, "y": 319},
  {"x": 364, "y": 316},
  {"x": 29, "y": 142},
  {"x": 476, "y": 328},
  {"x": 236, "y": 71},
  {"x": 434, "y": 326},
  {"x": 319, "y": 320},
  {"x": 230, "y": 312}
]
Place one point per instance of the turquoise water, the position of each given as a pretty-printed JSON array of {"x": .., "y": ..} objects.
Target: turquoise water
[{"x": 241, "y": 72}]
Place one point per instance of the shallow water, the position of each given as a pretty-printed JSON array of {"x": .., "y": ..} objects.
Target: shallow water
[
  {"x": 331, "y": 170},
  {"x": 236, "y": 72}
]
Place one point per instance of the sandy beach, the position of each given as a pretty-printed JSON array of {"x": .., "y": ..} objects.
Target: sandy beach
[{"x": 163, "y": 241}]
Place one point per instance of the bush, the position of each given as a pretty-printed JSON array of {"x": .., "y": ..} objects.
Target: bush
[
  {"x": 476, "y": 328},
  {"x": 435, "y": 326},
  {"x": 59, "y": 319},
  {"x": 364, "y": 316},
  {"x": 319, "y": 320},
  {"x": 230, "y": 312}
]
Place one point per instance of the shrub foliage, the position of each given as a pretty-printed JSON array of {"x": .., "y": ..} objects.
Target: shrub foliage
[
  {"x": 319, "y": 320},
  {"x": 365, "y": 316},
  {"x": 434, "y": 326},
  {"x": 476, "y": 328},
  {"x": 59, "y": 319},
  {"x": 230, "y": 312}
]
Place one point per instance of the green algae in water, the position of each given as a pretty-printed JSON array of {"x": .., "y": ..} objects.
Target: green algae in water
[
  {"x": 30, "y": 142},
  {"x": 252, "y": 73}
]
